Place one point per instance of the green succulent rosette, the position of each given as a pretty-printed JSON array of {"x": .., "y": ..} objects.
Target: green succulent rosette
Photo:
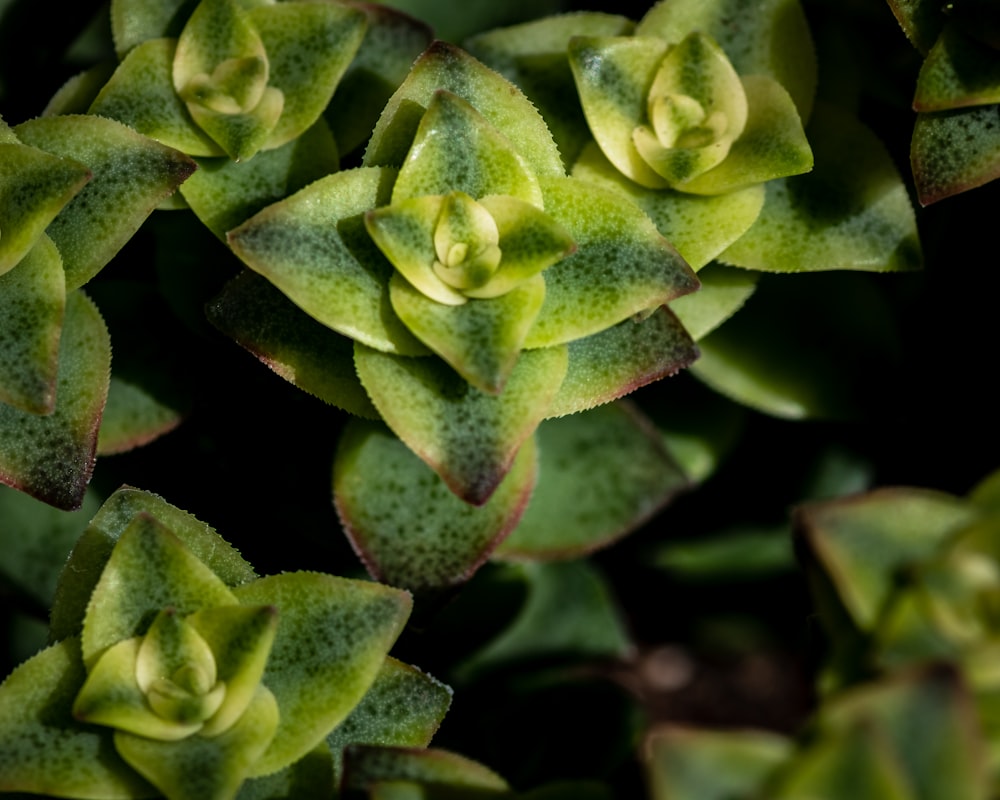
[
  {"x": 484, "y": 290},
  {"x": 184, "y": 675}
]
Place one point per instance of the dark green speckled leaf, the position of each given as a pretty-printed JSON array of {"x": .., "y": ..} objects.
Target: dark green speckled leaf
[{"x": 954, "y": 151}]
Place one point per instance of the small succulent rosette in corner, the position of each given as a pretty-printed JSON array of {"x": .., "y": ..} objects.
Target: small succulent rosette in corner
[
  {"x": 465, "y": 290},
  {"x": 176, "y": 672},
  {"x": 956, "y": 136}
]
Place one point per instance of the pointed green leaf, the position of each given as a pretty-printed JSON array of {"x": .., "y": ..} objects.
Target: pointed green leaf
[
  {"x": 299, "y": 349},
  {"x": 216, "y": 32},
  {"x": 481, "y": 339},
  {"x": 723, "y": 292},
  {"x": 314, "y": 247},
  {"x": 240, "y": 134},
  {"x": 149, "y": 569},
  {"x": 223, "y": 761},
  {"x": 368, "y": 766},
  {"x": 619, "y": 360},
  {"x": 32, "y": 305},
  {"x": 469, "y": 438},
  {"x": 79, "y": 92},
  {"x": 621, "y": 267},
  {"x": 91, "y": 554},
  {"x": 311, "y": 776},
  {"x": 43, "y": 750},
  {"x": 921, "y": 21},
  {"x": 132, "y": 174},
  {"x": 700, "y": 227},
  {"x": 136, "y": 21},
  {"x": 332, "y": 639},
  {"x": 954, "y": 151},
  {"x": 377, "y": 484},
  {"x": 34, "y": 186},
  {"x": 601, "y": 474},
  {"x": 446, "y": 67},
  {"x": 141, "y": 94},
  {"x": 851, "y": 212},
  {"x": 958, "y": 72},
  {"x": 134, "y": 416},
  {"x": 52, "y": 457}
]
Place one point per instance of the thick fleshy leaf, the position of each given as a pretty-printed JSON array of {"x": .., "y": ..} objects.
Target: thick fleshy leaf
[
  {"x": 469, "y": 438},
  {"x": 601, "y": 474},
  {"x": 391, "y": 44},
  {"x": 32, "y": 305},
  {"x": 42, "y": 749},
  {"x": 52, "y": 457},
  {"x": 311, "y": 776},
  {"x": 79, "y": 92},
  {"x": 136, "y": 21},
  {"x": 378, "y": 482},
  {"x": 309, "y": 46},
  {"x": 723, "y": 292},
  {"x": 34, "y": 186},
  {"x": 958, "y": 72},
  {"x": 774, "y": 40},
  {"x": 954, "y": 151},
  {"x": 691, "y": 764},
  {"x": 314, "y": 247},
  {"x": 132, "y": 174},
  {"x": 134, "y": 416},
  {"x": 224, "y": 193},
  {"x": 365, "y": 767},
  {"x": 224, "y": 761},
  {"x": 621, "y": 359},
  {"x": 95, "y": 545},
  {"x": 700, "y": 227},
  {"x": 622, "y": 266},
  {"x": 141, "y": 94},
  {"x": 446, "y": 67},
  {"x": 241, "y": 133},
  {"x": 332, "y": 639},
  {"x": 403, "y": 708},
  {"x": 921, "y": 21},
  {"x": 861, "y": 542},
  {"x": 481, "y": 339},
  {"x": 299, "y": 349}
]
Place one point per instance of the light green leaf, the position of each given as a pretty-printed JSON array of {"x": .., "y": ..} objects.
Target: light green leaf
[
  {"x": 601, "y": 474},
  {"x": 378, "y": 482},
  {"x": 34, "y": 186},
  {"x": 958, "y": 72},
  {"x": 91, "y": 554},
  {"x": 723, "y": 292},
  {"x": 52, "y": 457},
  {"x": 132, "y": 174},
  {"x": 622, "y": 266},
  {"x": 954, "y": 151},
  {"x": 469, "y": 438},
  {"x": 314, "y": 247},
  {"x": 446, "y": 67},
  {"x": 133, "y": 416},
  {"x": 43, "y": 750},
  {"x": 367, "y": 766},
  {"x": 79, "y": 92},
  {"x": 621, "y": 359},
  {"x": 32, "y": 305},
  {"x": 309, "y": 355},
  {"x": 332, "y": 639}
]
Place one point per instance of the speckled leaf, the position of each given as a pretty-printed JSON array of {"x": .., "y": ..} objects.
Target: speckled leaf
[
  {"x": 52, "y": 457},
  {"x": 378, "y": 483},
  {"x": 622, "y": 266},
  {"x": 365, "y": 767},
  {"x": 132, "y": 174},
  {"x": 34, "y": 187},
  {"x": 141, "y": 94},
  {"x": 224, "y": 193},
  {"x": 601, "y": 474},
  {"x": 390, "y": 46},
  {"x": 851, "y": 212},
  {"x": 958, "y": 72},
  {"x": 310, "y": 776},
  {"x": 309, "y": 46},
  {"x": 32, "y": 304},
  {"x": 723, "y": 292},
  {"x": 619, "y": 360},
  {"x": 690, "y": 764},
  {"x": 136, "y": 21},
  {"x": 89, "y": 557},
  {"x": 403, "y": 708},
  {"x": 954, "y": 151},
  {"x": 700, "y": 227},
  {"x": 79, "y": 92},
  {"x": 862, "y": 541},
  {"x": 481, "y": 339},
  {"x": 149, "y": 569},
  {"x": 921, "y": 21},
  {"x": 42, "y": 749},
  {"x": 444, "y": 66},
  {"x": 772, "y": 38},
  {"x": 332, "y": 639},
  {"x": 134, "y": 416},
  {"x": 309, "y": 355},
  {"x": 469, "y": 438},
  {"x": 314, "y": 247}
]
